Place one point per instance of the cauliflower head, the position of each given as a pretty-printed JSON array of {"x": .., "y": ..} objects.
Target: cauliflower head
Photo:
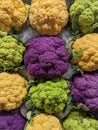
[
  {"x": 13, "y": 89},
  {"x": 84, "y": 90},
  {"x": 84, "y": 15},
  {"x": 46, "y": 57},
  {"x": 11, "y": 120},
  {"x": 12, "y": 14},
  {"x": 88, "y": 45},
  {"x": 48, "y": 16},
  {"x": 11, "y": 51},
  {"x": 51, "y": 96},
  {"x": 44, "y": 122},
  {"x": 80, "y": 121}
]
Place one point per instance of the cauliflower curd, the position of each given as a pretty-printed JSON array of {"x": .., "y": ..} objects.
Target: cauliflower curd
[{"x": 13, "y": 89}]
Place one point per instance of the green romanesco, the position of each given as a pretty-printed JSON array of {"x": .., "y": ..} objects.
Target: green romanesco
[
  {"x": 84, "y": 15},
  {"x": 11, "y": 51},
  {"x": 51, "y": 96},
  {"x": 80, "y": 121}
]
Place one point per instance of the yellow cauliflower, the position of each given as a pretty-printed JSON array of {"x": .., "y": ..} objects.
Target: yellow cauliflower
[
  {"x": 44, "y": 122},
  {"x": 12, "y": 14},
  {"x": 88, "y": 45},
  {"x": 48, "y": 16},
  {"x": 13, "y": 89}
]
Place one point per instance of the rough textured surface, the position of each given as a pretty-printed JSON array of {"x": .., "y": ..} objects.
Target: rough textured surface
[
  {"x": 13, "y": 89},
  {"x": 12, "y": 14},
  {"x": 11, "y": 51},
  {"x": 46, "y": 57},
  {"x": 85, "y": 90},
  {"x": 51, "y": 96},
  {"x": 79, "y": 121},
  {"x": 48, "y": 17},
  {"x": 88, "y": 45},
  {"x": 84, "y": 15},
  {"x": 11, "y": 120},
  {"x": 44, "y": 122}
]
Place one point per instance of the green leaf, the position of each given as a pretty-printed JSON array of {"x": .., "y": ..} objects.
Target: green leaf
[
  {"x": 29, "y": 114},
  {"x": 77, "y": 54},
  {"x": 83, "y": 107}
]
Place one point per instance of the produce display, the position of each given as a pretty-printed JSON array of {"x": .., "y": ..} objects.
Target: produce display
[
  {"x": 48, "y": 65},
  {"x": 46, "y": 57}
]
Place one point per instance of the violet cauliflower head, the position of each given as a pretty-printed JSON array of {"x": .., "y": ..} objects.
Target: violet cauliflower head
[
  {"x": 46, "y": 57},
  {"x": 11, "y": 120},
  {"x": 85, "y": 90}
]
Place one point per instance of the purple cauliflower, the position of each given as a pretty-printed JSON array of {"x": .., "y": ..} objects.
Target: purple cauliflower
[
  {"x": 46, "y": 57},
  {"x": 11, "y": 120},
  {"x": 85, "y": 90}
]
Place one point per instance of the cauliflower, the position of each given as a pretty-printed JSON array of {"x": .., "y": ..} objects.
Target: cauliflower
[
  {"x": 12, "y": 14},
  {"x": 44, "y": 122},
  {"x": 88, "y": 45},
  {"x": 46, "y": 57},
  {"x": 48, "y": 16},
  {"x": 11, "y": 120},
  {"x": 85, "y": 90},
  {"x": 51, "y": 96},
  {"x": 80, "y": 121},
  {"x": 84, "y": 15},
  {"x": 10, "y": 52},
  {"x": 13, "y": 89}
]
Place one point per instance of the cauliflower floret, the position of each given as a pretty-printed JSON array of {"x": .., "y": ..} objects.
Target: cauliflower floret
[
  {"x": 46, "y": 57},
  {"x": 11, "y": 51},
  {"x": 11, "y": 120},
  {"x": 84, "y": 15},
  {"x": 13, "y": 89},
  {"x": 88, "y": 45},
  {"x": 48, "y": 16},
  {"x": 44, "y": 122},
  {"x": 12, "y": 14},
  {"x": 80, "y": 121},
  {"x": 51, "y": 96}
]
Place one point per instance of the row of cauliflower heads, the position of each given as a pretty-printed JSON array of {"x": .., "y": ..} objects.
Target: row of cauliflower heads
[{"x": 47, "y": 57}]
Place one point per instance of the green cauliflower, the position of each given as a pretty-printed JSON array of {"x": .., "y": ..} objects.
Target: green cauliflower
[
  {"x": 80, "y": 121},
  {"x": 50, "y": 96},
  {"x": 84, "y": 15},
  {"x": 11, "y": 51}
]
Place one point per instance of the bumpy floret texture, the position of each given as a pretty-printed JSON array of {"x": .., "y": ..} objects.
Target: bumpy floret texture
[
  {"x": 12, "y": 14},
  {"x": 51, "y": 96},
  {"x": 44, "y": 122},
  {"x": 13, "y": 89},
  {"x": 11, "y": 120},
  {"x": 84, "y": 90},
  {"x": 48, "y": 16},
  {"x": 88, "y": 44},
  {"x": 46, "y": 57},
  {"x": 11, "y": 51},
  {"x": 80, "y": 121},
  {"x": 84, "y": 15}
]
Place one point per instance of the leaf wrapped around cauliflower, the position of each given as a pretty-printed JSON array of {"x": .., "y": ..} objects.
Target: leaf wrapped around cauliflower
[
  {"x": 13, "y": 89},
  {"x": 46, "y": 57},
  {"x": 87, "y": 48},
  {"x": 80, "y": 121},
  {"x": 12, "y": 14},
  {"x": 50, "y": 96},
  {"x": 44, "y": 122},
  {"x": 11, "y": 51},
  {"x": 48, "y": 16},
  {"x": 11, "y": 120},
  {"x": 84, "y": 15},
  {"x": 85, "y": 90}
]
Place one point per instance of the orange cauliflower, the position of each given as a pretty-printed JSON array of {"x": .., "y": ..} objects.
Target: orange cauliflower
[
  {"x": 48, "y": 16},
  {"x": 88, "y": 45},
  {"x": 12, "y": 14},
  {"x": 44, "y": 122},
  {"x": 13, "y": 89}
]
